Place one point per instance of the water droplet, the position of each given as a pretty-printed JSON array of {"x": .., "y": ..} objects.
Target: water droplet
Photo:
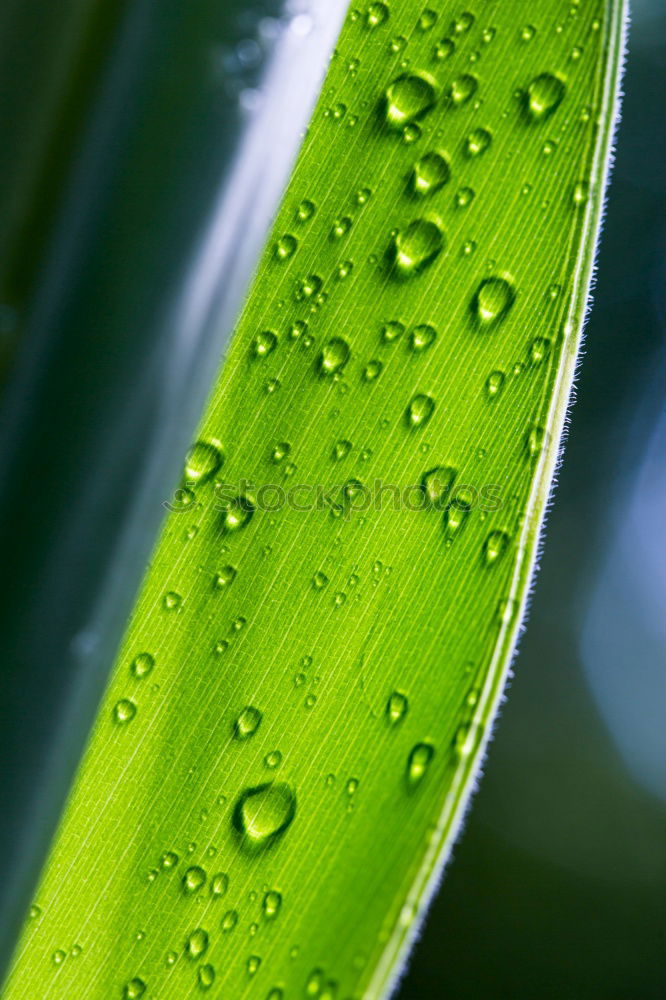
[
  {"x": 194, "y": 879},
  {"x": 334, "y": 356},
  {"x": 444, "y": 49},
  {"x": 495, "y": 546},
  {"x": 391, "y": 331},
  {"x": 467, "y": 738},
  {"x": 203, "y": 460},
  {"x": 378, "y": 13},
  {"x": 169, "y": 860},
  {"x": 341, "y": 227},
  {"x": 273, "y": 759},
  {"x": 462, "y": 89},
  {"x": 142, "y": 665},
  {"x": 397, "y": 707},
  {"x": 544, "y": 94},
  {"x": 416, "y": 246},
  {"x": 372, "y": 371},
  {"x": 418, "y": 762},
  {"x": 457, "y": 512},
  {"x": 429, "y": 174},
  {"x": 409, "y": 97},
  {"x": 580, "y": 193},
  {"x": 206, "y": 976},
  {"x": 271, "y": 905},
  {"x": 305, "y": 210},
  {"x": 422, "y": 337},
  {"x": 308, "y": 287},
  {"x": 264, "y": 812},
  {"x": 464, "y": 197},
  {"x": 275, "y": 994},
  {"x": 252, "y": 965},
  {"x": 247, "y": 723},
  {"x": 427, "y": 20},
  {"x": 134, "y": 989},
  {"x": 463, "y": 23},
  {"x": 197, "y": 943},
  {"x": 528, "y": 33},
  {"x": 124, "y": 711},
  {"x": 319, "y": 580},
  {"x": 535, "y": 440},
  {"x": 286, "y": 247},
  {"x": 420, "y": 410},
  {"x": 34, "y": 912},
  {"x": 437, "y": 484},
  {"x": 493, "y": 299},
  {"x": 478, "y": 142},
  {"x": 494, "y": 384},
  {"x": 238, "y": 512},
  {"x": 219, "y": 884},
  {"x": 341, "y": 449},
  {"x": 59, "y": 956},
  {"x": 229, "y": 921},
  {"x": 225, "y": 577},
  {"x": 539, "y": 350},
  {"x": 264, "y": 343}
]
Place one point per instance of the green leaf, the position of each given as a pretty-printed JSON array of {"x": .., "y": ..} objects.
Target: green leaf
[{"x": 307, "y": 686}]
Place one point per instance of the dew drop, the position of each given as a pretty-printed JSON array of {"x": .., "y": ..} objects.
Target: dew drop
[
  {"x": 462, "y": 89},
  {"x": 416, "y": 246},
  {"x": 219, "y": 884},
  {"x": 237, "y": 514},
  {"x": 272, "y": 904},
  {"x": 580, "y": 193},
  {"x": 194, "y": 879},
  {"x": 142, "y": 665},
  {"x": 397, "y": 707},
  {"x": 229, "y": 921},
  {"x": 172, "y": 601},
  {"x": 391, "y": 331},
  {"x": 305, "y": 210},
  {"x": 437, "y": 484},
  {"x": 59, "y": 956},
  {"x": 203, "y": 460},
  {"x": 418, "y": 762},
  {"x": 409, "y": 97},
  {"x": 539, "y": 350},
  {"x": 528, "y": 33},
  {"x": 544, "y": 94},
  {"x": 168, "y": 860},
  {"x": 247, "y": 723},
  {"x": 463, "y": 23},
  {"x": 444, "y": 49},
  {"x": 422, "y": 337},
  {"x": 378, "y": 13},
  {"x": 341, "y": 449},
  {"x": 225, "y": 577},
  {"x": 264, "y": 812},
  {"x": 341, "y": 227},
  {"x": 206, "y": 976},
  {"x": 429, "y": 174},
  {"x": 478, "y": 142},
  {"x": 464, "y": 197},
  {"x": 457, "y": 512},
  {"x": 420, "y": 410},
  {"x": 285, "y": 247},
  {"x": 495, "y": 546},
  {"x": 319, "y": 580},
  {"x": 308, "y": 287},
  {"x": 494, "y": 384},
  {"x": 124, "y": 711},
  {"x": 264, "y": 344},
  {"x": 536, "y": 437},
  {"x": 197, "y": 943},
  {"x": 372, "y": 371},
  {"x": 334, "y": 356},
  {"x": 492, "y": 301},
  {"x": 252, "y": 965},
  {"x": 273, "y": 759},
  {"x": 428, "y": 19}
]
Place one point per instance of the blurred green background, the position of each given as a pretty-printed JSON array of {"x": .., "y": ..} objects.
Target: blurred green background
[{"x": 557, "y": 887}]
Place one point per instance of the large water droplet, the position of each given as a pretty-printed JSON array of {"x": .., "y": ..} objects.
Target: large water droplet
[
  {"x": 437, "y": 484},
  {"x": 418, "y": 762},
  {"x": 203, "y": 460},
  {"x": 492, "y": 301},
  {"x": 544, "y": 94},
  {"x": 263, "y": 813},
  {"x": 420, "y": 410},
  {"x": 206, "y": 976},
  {"x": 416, "y": 246},
  {"x": 334, "y": 356},
  {"x": 429, "y": 174},
  {"x": 409, "y": 97}
]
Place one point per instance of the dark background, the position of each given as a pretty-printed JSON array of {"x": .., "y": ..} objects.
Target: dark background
[{"x": 557, "y": 887}]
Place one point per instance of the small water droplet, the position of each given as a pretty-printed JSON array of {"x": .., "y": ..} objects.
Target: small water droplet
[
  {"x": 142, "y": 665},
  {"x": 418, "y": 762},
  {"x": 203, "y": 460},
  {"x": 462, "y": 24},
  {"x": 462, "y": 89},
  {"x": 397, "y": 707},
  {"x": 206, "y": 976},
  {"x": 378, "y": 13},
  {"x": 264, "y": 812},
  {"x": 422, "y": 337},
  {"x": 252, "y": 965},
  {"x": 308, "y": 287},
  {"x": 305, "y": 210},
  {"x": 59, "y": 956},
  {"x": 457, "y": 512},
  {"x": 444, "y": 49},
  {"x": 219, "y": 884},
  {"x": 391, "y": 331},
  {"x": 408, "y": 97},
  {"x": 168, "y": 860},
  {"x": 264, "y": 344},
  {"x": 334, "y": 356},
  {"x": 124, "y": 711},
  {"x": 238, "y": 513},
  {"x": 416, "y": 246},
  {"x": 494, "y": 384},
  {"x": 272, "y": 904},
  {"x": 544, "y": 95},
  {"x": 464, "y": 197},
  {"x": 197, "y": 943},
  {"x": 495, "y": 546},
  {"x": 372, "y": 370},
  {"x": 539, "y": 350},
  {"x": 429, "y": 174},
  {"x": 341, "y": 227},
  {"x": 420, "y": 410},
  {"x": 437, "y": 484},
  {"x": 194, "y": 879},
  {"x": 478, "y": 142},
  {"x": 229, "y": 921},
  {"x": 341, "y": 449},
  {"x": 225, "y": 577},
  {"x": 34, "y": 912},
  {"x": 247, "y": 723},
  {"x": 536, "y": 437},
  {"x": 285, "y": 247},
  {"x": 273, "y": 759},
  {"x": 580, "y": 193},
  {"x": 319, "y": 580},
  {"x": 134, "y": 989},
  {"x": 492, "y": 301},
  {"x": 427, "y": 20}
]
